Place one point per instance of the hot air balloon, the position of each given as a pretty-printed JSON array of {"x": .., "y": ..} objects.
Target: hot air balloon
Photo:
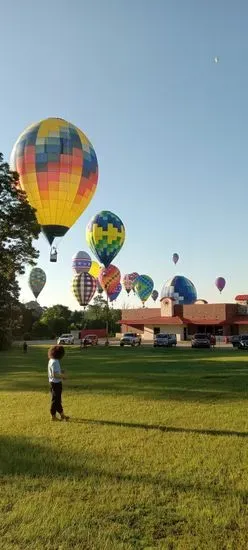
[
  {"x": 154, "y": 295},
  {"x": 83, "y": 287},
  {"x": 220, "y": 283},
  {"x": 116, "y": 293},
  {"x": 95, "y": 269},
  {"x": 132, "y": 277},
  {"x": 81, "y": 262},
  {"x": 127, "y": 283},
  {"x": 143, "y": 286},
  {"x": 37, "y": 280},
  {"x": 175, "y": 258},
  {"x": 58, "y": 170},
  {"x": 109, "y": 278},
  {"x": 105, "y": 235}
]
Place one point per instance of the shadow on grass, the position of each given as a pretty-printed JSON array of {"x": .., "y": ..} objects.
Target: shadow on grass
[
  {"x": 182, "y": 375},
  {"x": 161, "y": 428},
  {"x": 21, "y": 457}
]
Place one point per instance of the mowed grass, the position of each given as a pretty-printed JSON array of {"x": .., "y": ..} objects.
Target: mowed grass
[{"x": 155, "y": 455}]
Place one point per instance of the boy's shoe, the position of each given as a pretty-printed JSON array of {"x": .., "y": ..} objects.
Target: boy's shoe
[
  {"x": 54, "y": 418},
  {"x": 64, "y": 417}
]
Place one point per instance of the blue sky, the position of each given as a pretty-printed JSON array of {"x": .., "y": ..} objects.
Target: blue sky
[{"x": 169, "y": 126}]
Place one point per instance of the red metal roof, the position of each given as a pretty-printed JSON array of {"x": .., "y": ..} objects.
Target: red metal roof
[
  {"x": 153, "y": 321},
  {"x": 241, "y": 320},
  {"x": 241, "y": 297},
  {"x": 204, "y": 321}
]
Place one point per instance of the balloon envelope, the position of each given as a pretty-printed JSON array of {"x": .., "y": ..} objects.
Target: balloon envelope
[
  {"x": 175, "y": 258},
  {"x": 109, "y": 278},
  {"x": 81, "y": 262},
  {"x": 95, "y": 269},
  {"x": 58, "y": 170},
  {"x": 127, "y": 283},
  {"x": 83, "y": 287},
  {"x": 37, "y": 280},
  {"x": 132, "y": 277},
  {"x": 154, "y": 295},
  {"x": 220, "y": 283},
  {"x": 143, "y": 286},
  {"x": 116, "y": 293},
  {"x": 105, "y": 235}
]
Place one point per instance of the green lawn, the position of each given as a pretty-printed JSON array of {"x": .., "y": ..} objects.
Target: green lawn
[{"x": 155, "y": 455}]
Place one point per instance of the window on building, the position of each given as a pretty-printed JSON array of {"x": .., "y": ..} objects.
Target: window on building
[{"x": 156, "y": 330}]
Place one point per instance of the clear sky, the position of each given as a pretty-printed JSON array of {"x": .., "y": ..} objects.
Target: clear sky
[{"x": 168, "y": 124}]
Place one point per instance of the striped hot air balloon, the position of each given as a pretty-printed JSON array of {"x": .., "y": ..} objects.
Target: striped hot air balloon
[{"x": 83, "y": 287}]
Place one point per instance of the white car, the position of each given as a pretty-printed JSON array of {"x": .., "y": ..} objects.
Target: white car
[
  {"x": 130, "y": 339},
  {"x": 66, "y": 339}
]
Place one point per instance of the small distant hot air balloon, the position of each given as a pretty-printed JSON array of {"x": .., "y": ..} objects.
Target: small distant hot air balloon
[
  {"x": 154, "y": 295},
  {"x": 81, "y": 262},
  {"x": 95, "y": 269},
  {"x": 83, "y": 287},
  {"x": 105, "y": 235},
  {"x": 115, "y": 294},
  {"x": 132, "y": 277},
  {"x": 109, "y": 278},
  {"x": 58, "y": 170},
  {"x": 175, "y": 258},
  {"x": 220, "y": 283},
  {"x": 143, "y": 286},
  {"x": 127, "y": 283},
  {"x": 37, "y": 280}
]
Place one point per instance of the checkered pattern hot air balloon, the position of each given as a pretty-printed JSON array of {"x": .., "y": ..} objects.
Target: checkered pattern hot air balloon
[
  {"x": 58, "y": 170},
  {"x": 83, "y": 288},
  {"x": 127, "y": 283},
  {"x": 37, "y": 280},
  {"x": 81, "y": 262},
  {"x": 109, "y": 278},
  {"x": 105, "y": 235},
  {"x": 143, "y": 287}
]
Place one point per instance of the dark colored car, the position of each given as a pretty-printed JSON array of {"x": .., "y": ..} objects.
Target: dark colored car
[
  {"x": 200, "y": 341},
  {"x": 243, "y": 342},
  {"x": 90, "y": 340}
]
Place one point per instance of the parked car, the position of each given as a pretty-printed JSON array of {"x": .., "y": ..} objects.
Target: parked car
[
  {"x": 130, "y": 339},
  {"x": 243, "y": 342},
  {"x": 90, "y": 340},
  {"x": 161, "y": 340},
  {"x": 66, "y": 339},
  {"x": 200, "y": 341}
]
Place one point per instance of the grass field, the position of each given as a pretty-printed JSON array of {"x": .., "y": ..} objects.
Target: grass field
[{"x": 155, "y": 455}]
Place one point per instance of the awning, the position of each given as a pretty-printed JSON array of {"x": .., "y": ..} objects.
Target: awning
[
  {"x": 153, "y": 321},
  {"x": 242, "y": 320},
  {"x": 204, "y": 322}
]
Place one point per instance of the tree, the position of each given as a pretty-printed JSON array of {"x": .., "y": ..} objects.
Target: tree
[
  {"x": 18, "y": 226},
  {"x": 57, "y": 319}
]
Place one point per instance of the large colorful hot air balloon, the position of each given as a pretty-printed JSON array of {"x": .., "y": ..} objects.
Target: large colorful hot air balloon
[
  {"x": 143, "y": 286},
  {"x": 95, "y": 269},
  {"x": 175, "y": 258},
  {"x": 83, "y": 287},
  {"x": 58, "y": 171},
  {"x": 127, "y": 283},
  {"x": 105, "y": 235},
  {"x": 154, "y": 295},
  {"x": 220, "y": 283},
  {"x": 109, "y": 278},
  {"x": 116, "y": 293},
  {"x": 81, "y": 262},
  {"x": 37, "y": 280}
]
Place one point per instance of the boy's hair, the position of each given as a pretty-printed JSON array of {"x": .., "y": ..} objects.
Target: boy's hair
[{"x": 56, "y": 352}]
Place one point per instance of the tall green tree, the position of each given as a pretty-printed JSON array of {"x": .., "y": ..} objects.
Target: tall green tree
[{"x": 18, "y": 227}]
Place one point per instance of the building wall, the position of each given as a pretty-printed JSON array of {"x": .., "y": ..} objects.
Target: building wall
[
  {"x": 219, "y": 312},
  {"x": 243, "y": 329},
  {"x": 140, "y": 313}
]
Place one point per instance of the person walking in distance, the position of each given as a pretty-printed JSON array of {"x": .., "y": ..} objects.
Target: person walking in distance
[{"x": 55, "y": 377}]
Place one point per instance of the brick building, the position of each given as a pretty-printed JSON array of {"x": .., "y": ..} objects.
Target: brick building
[{"x": 185, "y": 320}]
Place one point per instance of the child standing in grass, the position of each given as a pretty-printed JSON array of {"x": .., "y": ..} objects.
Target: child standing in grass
[{"x": 55, "y": 376}]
